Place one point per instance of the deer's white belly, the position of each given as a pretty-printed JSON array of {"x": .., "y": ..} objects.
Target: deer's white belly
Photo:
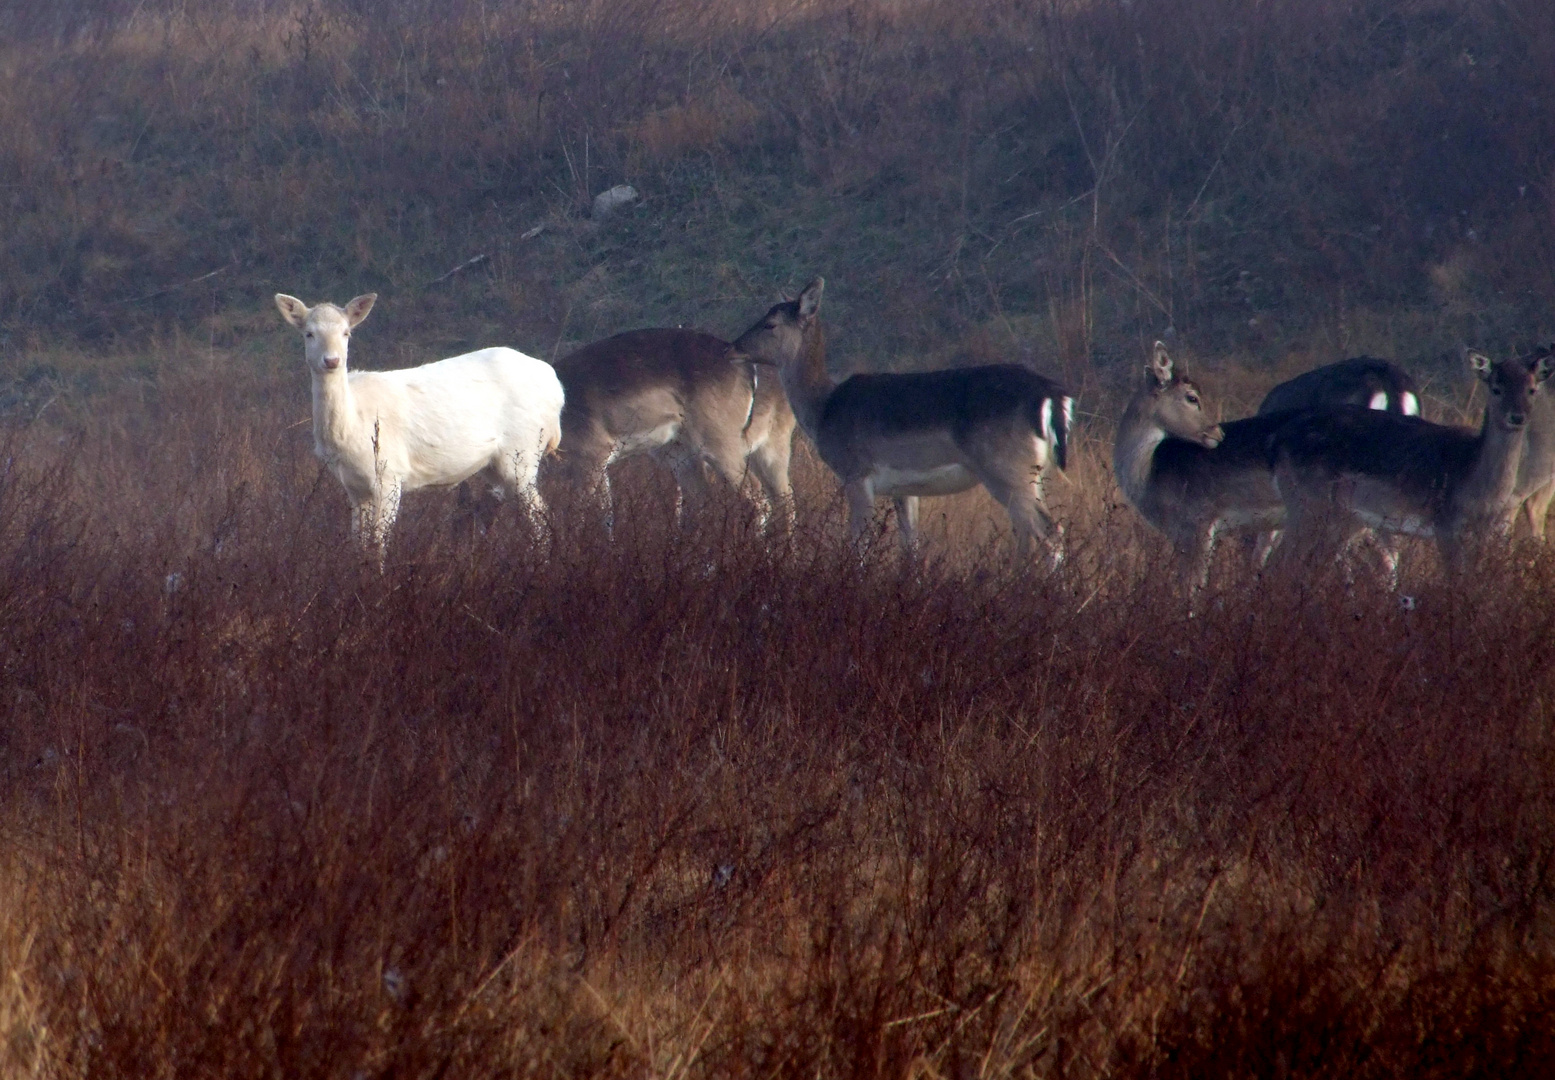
[
  {"x": 1410, "y": 524},
  {"x": 1380, "y": 508},
  {"x": 894, "y": 482},
  {"x": 639, "y": 442}
]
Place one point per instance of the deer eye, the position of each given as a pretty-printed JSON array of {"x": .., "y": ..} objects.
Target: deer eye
[
  {"x": 1193, "y": 399},
  {"x": 308, "y": 334}
]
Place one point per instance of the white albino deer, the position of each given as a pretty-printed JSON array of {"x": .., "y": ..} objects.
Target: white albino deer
[
  {"x": 1350, "y": 469},
  {"x": 674, "y": 395},
  {"x": 383, "y": 433},
  {"x": 932, "y": 433},
  {"x": 1189, "y": 476}
]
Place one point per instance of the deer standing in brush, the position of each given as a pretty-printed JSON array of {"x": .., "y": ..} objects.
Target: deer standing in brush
[
  {"x": 1536, "y": 474},
  {"x": 495, "y": 412},
  {"x": 1346, "y": 470},
  {"x": 1360, "y": 382},
  {"x": 676, "y": 396},
  {"x": 1188, "y": 476},
  {"x": 904, "y": 436}
]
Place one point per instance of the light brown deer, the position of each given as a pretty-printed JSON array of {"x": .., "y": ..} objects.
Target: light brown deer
[
  {"x": 1536, "y": 474},
  {"x": 1188, "y": 476},
  {"x": 677, "y": 396},
  {"x": 904, "y": 436},
  {"x": 1346, "y": 470}
]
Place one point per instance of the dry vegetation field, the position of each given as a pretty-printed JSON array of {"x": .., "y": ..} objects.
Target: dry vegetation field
[{"x": 691, "y": 803}]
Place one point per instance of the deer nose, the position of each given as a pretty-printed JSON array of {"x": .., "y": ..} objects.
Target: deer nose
[{"x": 330, "y": 362}]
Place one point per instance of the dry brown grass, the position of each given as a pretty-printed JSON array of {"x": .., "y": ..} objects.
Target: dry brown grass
[{"x": 687, "y": 804}]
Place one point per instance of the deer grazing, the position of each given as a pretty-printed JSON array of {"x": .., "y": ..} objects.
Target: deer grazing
[
  {"x": 910, "y": 435},
  {"x": 675, "y": 395},
  {"x": 1189, "y": 476},
  {"x": 1362, "y": 381},
  {"x": 383, "y": 433},
  {"x": 1345, "y": 470}
]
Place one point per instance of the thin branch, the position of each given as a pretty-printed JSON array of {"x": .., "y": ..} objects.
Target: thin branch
[{"x": 476, "y": 261}]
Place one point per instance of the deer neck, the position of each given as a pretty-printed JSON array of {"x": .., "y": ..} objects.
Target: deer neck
[
  {"x": 1492, "y": 478},
  {"x": 1133, "y": 453},
  {"x": 806, "y": 381},
  {"x": 336, "y": 425}
]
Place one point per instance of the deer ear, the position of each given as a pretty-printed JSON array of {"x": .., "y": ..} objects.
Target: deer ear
[
  {"x": 1480, "y": 363},
  {"x": 1544, "y": 367},
  {"x": 810, "y": 299},
  {"x": 1160, "y": 366},
  {"x": 292, "y": 309},
  {"x": 357, "y": 309}
]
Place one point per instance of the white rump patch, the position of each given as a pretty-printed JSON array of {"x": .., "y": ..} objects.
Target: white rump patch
[
  {"x": 1039, "y": 448},
  {"x": 1047, "y": 418},
  {"x": 1379, "y": 401},
  {"x": 1411, "y": 404}
]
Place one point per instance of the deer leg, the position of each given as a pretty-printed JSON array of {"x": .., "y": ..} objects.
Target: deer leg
[
  {"x": 1536, "y": 507},
  {"x": 372, "y": 521},
  {"x": 519, "y": 472},
  {"x": 1267, "y": 542},
  {"x": 861, "y": 506},
  {"x": 1021, "y": 496},
  {"x": 770, "y": 463},
  {"x": 691, "y": 486},
  {"x": 907, "y": 523}
]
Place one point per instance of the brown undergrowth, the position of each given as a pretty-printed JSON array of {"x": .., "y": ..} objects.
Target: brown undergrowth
[{"x": 692, "y": 804}]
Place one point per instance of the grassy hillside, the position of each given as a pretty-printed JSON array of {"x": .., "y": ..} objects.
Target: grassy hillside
[{"x": 1031, "y": 178}]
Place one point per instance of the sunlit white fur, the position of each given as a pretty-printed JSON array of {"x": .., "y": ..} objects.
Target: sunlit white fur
[{"x": 383, "y": 433}]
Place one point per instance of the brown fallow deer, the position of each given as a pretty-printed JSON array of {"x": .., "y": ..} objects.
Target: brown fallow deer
[
  {"x": 1345, "y": 470},
  {"x": 675, "y": 395},
  {"x": 1362, "y": 382},
  {"x": 1188, "y": 476},
  {"x": 903, "y": 436},
  {"x": 1536, "y": 475}
]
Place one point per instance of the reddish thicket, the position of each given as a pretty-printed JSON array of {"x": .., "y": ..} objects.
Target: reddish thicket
[{"x": 687, "y": 802}]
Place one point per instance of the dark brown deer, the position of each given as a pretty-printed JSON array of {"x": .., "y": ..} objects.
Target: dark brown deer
[
  {"x": 1362, "y": 381},
  {"x": 905, "y": 436},
  {"x": 677, "y": 396},
  {"x": 1188, "y": 476},
  {"x": 1345, "y": 470}
]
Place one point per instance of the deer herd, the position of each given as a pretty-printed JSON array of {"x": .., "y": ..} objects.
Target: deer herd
[{"x": 1334, "y": 458}]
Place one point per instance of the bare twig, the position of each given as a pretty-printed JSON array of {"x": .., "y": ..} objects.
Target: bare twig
[{"x": 476, "y": 261}]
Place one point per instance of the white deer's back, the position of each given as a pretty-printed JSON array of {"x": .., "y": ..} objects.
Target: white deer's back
[{"x": 443, "y": 422}]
